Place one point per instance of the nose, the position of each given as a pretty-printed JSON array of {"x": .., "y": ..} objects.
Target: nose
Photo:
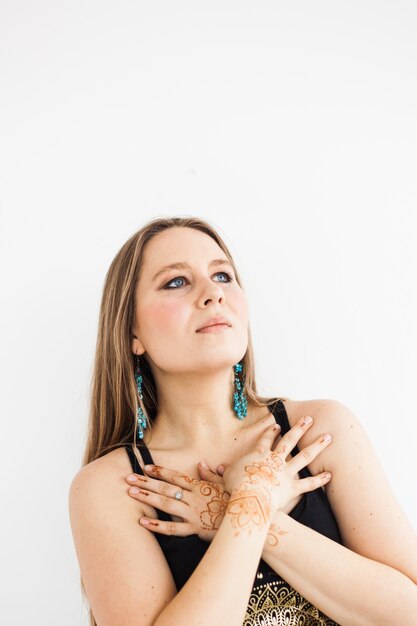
[{"x": 212, "y": 292}]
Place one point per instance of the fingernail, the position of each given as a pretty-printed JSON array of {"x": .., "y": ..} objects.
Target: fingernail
[
  {"x": 132, "y": 477},
  {"x": 327, "y": 475},
  {"x": 221, "y": 468},
  {"x": 134, "y": 490},
  {"x": 308, "y": 419},
  {"x": 150, "y": 468},
  {"x": 204, "y": 464},
  {"x": 144, "y": 521}
]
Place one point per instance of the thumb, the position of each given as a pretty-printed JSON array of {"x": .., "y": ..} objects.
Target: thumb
[
  {"x": 220, "y": 469},
  {"x": 207, "y": 474}
]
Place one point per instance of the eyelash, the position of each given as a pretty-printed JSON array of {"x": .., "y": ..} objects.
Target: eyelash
[{"x": 229, "y": 276}]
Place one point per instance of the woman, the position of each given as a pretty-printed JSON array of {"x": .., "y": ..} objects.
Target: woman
[{"x": 268, "y": 538}]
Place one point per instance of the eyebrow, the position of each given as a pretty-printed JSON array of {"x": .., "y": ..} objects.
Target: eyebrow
[{"x": 182, "y": 265}]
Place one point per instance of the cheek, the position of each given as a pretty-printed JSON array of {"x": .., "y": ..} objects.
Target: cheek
[
  {"x": 239, "y": 304},
  {"x": 165, "y": 316}
]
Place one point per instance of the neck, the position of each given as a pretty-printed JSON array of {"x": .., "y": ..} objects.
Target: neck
[{"x": 195, "y": 410}]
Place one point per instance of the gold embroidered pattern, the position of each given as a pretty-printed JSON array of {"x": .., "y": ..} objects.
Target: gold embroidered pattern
[{"x": 278, "y": 604}]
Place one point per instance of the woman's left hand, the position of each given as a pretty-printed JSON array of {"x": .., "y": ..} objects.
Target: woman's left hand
[{"x": 202, "y": 505}]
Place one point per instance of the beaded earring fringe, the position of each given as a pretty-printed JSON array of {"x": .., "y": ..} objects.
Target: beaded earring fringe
[
  {"x": 240, "y": 403},
  {"x": 141, "y": 419}
]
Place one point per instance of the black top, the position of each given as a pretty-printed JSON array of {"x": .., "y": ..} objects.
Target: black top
[{"x": 272, "y": 600}]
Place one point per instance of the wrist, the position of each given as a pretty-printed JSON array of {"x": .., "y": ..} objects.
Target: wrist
[{"x": 277, "y": 528}]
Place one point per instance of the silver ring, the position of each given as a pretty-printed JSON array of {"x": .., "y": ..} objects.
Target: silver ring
[{"x": 178, "y": 494}]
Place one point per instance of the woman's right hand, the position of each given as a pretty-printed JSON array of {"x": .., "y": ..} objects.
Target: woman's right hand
[{"x": 265, "y": 468}]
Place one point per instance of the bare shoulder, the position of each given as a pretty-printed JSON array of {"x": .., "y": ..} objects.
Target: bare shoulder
[
  {"x": 320, "y": 410},
  {"x": 112, "y": 547},
  {"x": 106, "y": 474},
  {"x": 329, "y": 416}
]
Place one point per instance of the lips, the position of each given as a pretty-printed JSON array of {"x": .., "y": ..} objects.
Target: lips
[{"x": 213, "y": 321}]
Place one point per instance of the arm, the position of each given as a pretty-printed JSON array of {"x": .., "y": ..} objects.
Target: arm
[
  {"x": 218, "y": 590},
  {"x": 371, "y": 579},
  {"x": 351, "y": 589},
  {"x": 126, "y": 576}
]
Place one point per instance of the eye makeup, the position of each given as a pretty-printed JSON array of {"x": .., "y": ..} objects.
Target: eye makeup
[{"x": 168, "y": 288}]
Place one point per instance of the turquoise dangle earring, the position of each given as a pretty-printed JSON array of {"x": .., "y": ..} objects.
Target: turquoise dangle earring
[
  {"x": 141, "y": 419},
  {"x": 240, "y": 404}
]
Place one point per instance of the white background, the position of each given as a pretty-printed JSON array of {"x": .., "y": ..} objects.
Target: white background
[{"x": 292, "y": 128}]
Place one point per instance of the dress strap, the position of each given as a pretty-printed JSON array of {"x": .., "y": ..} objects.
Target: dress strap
[
  {"x": 146, "y": 455},
  {"x": 133, "y": 460}
]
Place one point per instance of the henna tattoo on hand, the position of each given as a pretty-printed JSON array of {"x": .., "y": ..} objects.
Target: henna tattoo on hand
[
  {"x": 156, "y": 469},
  {"x": 249, "y": 509},
  {"x": 212, "y": 516},
  {"x": 191, "y": 481},
  {"x": 266, "y": 470}
]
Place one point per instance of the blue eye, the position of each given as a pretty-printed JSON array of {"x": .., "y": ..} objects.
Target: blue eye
[{"x": 229, "y": 279}]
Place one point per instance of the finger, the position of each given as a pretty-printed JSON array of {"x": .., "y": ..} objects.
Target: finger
[
  {"x": 209, "y": 475},
  {"x": 307, "y": 454},
  {"x": 291, "y": 437},
  {"x": 180, "y": 529},
  {"x": 170, "y": 476},
  {"x": 277, "y": 440},
  {"x": 220, "y": 469},
  {"x": 140, "y": 480},
  {"x": 151, "y": 484},
  {"x": 268, "y": 437},
  {"x": 161, "y": 501},
  {"x": 313, "y": 482}
]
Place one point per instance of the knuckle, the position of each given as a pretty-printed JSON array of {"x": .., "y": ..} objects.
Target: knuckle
[
  {"x": 307, "y": 454},
  {"x": 171, "y": 527},
  {"x": 290, "y": 438},
  {"x": 282, "y": 447},
  {"x": 163, "y": 489},
  {"x": 278, "y": 460},
  {"x": 165, "y": 501}
]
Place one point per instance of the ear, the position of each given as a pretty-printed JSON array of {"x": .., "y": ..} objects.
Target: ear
[{"x": 137, "y": 346}]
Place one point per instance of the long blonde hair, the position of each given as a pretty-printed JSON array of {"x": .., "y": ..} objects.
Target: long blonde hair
[{"x": 114, "y": 396}]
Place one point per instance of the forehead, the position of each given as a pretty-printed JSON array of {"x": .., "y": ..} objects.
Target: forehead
[{"x": 179, "y": 245}]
